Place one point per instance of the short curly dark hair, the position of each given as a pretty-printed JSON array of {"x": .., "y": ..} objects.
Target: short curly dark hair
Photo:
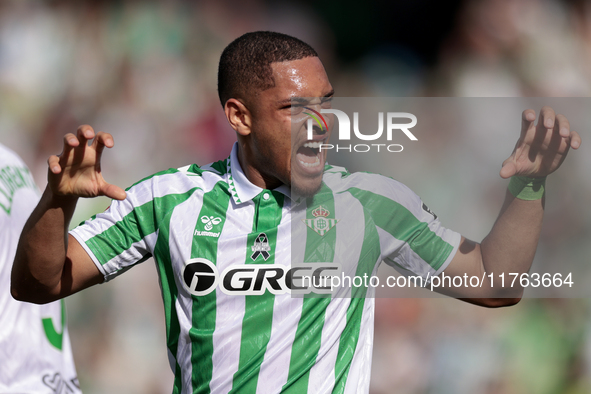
[{"x": 245, "y": 64}]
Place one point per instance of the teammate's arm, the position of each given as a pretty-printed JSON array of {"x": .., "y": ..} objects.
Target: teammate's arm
[
  {"x": 511, "y": 244},
  {"x": 50, "y": 264}
]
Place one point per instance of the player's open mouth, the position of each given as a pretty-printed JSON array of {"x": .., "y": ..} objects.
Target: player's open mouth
[{"x": 308, "y": 155}]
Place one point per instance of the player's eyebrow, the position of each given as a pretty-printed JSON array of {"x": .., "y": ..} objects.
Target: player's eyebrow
[{"x": 302, "y": 100}]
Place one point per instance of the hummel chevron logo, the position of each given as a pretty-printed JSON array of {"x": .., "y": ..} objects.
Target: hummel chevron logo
[{"x": 209, "y": 222}]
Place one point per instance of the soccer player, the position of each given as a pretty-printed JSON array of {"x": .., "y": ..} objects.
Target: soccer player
[
  {"x": 35, "y": 353},
  {"x": 220, "y": 233}
]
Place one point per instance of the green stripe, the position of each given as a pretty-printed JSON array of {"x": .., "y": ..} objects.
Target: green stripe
[
  {"x": 221, "y": 166},
  {"x": 308, "y": 335},
  {"x": 399, "y": 222},
  {"x": 168, "y": 286},
  {"x": 215, "y": 203},
  {"x": 320, "y": 248},
  {"x": 306, "y": 345},
  {"x": 178, "y": 379},
  {"x": 169, "y": 171},
  {"x": 370, "y": 253},
  {"x": 134, "y": 226},
  {"x": 258, "y": 316}
]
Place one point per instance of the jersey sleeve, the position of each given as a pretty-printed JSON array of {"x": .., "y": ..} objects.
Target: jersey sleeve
[
  {"x": 123, "y": 235},
  {"x": 412, "y": 239}
]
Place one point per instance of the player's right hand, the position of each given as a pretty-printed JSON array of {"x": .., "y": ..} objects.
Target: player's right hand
[{"x": 77, "y": 171}]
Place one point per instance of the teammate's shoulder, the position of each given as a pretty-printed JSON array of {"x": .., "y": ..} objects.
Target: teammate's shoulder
[{"x": 10, "y": 157}]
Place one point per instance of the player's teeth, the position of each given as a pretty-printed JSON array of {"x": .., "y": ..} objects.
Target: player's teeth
[
  {"x": 310, "y": 164},
  {"x": 314, "y": 145}
]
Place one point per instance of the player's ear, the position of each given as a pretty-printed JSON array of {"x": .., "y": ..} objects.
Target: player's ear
[{"x": 239, "y": 117}]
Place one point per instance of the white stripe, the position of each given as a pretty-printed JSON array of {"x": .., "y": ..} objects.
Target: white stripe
[
  {"x": 138, "y": 195},
  {"x": 287, "y": 311},
  {"x": 358, "y": 379},
  {"x": 142, "y": 193},
  {"x": 130, "y": 257},
  {"x": 402, "y": 255},
  {"x": 182, "y": 224},
  {"x": 180, "y": 243},
  {"x": 230, "y": 309},
  {"x": 385, "y": 187},
  {"x": 350, "y": 233},
  {"x": 322, "y": 374},
  {"x": 183, "y": 221}
]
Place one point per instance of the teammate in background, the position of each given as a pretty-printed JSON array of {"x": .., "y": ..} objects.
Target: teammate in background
[
  {"x": 35, "y": 354},
  {"x": 232, "y": 215}
]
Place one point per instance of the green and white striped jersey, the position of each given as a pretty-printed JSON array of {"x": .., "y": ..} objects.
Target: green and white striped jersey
[
  {"x": 35, "y": 350},
  {"x": 224, "y": 249}
]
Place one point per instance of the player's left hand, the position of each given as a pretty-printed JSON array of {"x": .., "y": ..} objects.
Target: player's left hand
[{"x": 541, "y": 148}]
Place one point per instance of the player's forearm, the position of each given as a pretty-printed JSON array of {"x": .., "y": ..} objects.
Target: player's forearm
[
  {"x": 511, "y": 245},
  {"x": 41, "y": 255}
]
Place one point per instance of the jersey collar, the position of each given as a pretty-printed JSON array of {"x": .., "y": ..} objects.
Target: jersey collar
[{"x": 241, "y": 188}]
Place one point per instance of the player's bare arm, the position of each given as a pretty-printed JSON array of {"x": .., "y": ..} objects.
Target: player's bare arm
[
  {"x": 49, "y": 263},
  {"x": 511, "y": 244}
]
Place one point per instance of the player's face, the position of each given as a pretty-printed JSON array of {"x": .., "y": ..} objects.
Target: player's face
[{"x": 283, "y": 152}]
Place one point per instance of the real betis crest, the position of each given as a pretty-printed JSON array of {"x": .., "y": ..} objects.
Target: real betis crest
[{"x": 321, "y": 223}]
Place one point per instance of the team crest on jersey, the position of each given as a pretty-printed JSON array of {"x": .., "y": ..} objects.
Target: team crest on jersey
[
  {"x": 261, "y": 247},
  {"x": 321, "y": 223},
  {"x": 210, "y": 222}
]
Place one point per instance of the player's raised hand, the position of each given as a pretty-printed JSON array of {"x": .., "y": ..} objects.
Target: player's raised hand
[
  {"x": 542, "y": 147},
  {"x": 77, "y": 171}
]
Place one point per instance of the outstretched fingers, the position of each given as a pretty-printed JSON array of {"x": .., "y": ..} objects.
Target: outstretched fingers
[
  {"x": 101, "y": 141},
  {"x": 572, "y": 138},
  {"x": 85, "y": 133},
  {"x": 528, "y": 118},
  {"x": 562, "y": 126},
  {"x": 509, "y": 167},
  {"x": 547, "y": 116},
  {"x": 54, "y": 164},
  {"x": 575, "y": 140}
]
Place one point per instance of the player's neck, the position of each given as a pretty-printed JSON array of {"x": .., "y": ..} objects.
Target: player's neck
[{"x": 254, "y": 175}]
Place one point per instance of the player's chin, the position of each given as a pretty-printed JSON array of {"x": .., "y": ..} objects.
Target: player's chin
[{"x": 304, "y": 186}]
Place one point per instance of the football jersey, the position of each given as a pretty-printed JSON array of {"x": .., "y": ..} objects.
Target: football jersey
[
  {"x": 35, "y": 353},
  {"x": 224, "y": 250}
]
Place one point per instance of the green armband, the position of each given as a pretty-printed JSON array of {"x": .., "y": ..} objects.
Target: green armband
[{"x": 527, "y": 188}]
